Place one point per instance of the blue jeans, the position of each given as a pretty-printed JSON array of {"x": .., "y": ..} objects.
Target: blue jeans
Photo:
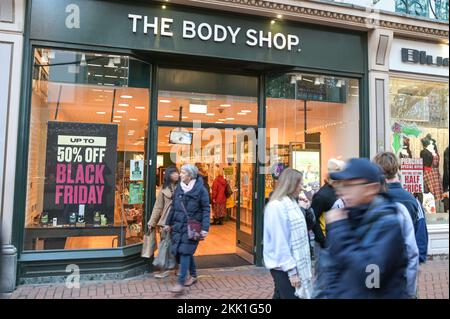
[{"x": 186, "y": 263}]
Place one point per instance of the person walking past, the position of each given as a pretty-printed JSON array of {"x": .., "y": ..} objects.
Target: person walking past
[
  {"x": 408, "y": 209},
  {"x": 285, "y": 241},
  {"x": 162, "y": 207},
  {"x": 219, "y": 199},
  {"x": 188, "y": 223},
  {"x": 322, "y": 202},
  {"x": 365, "y": 240}
]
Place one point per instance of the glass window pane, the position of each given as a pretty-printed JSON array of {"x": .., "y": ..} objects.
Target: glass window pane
[
  {"x": 188, "y": 96},
  {"x": 420, "y": 109},
  {"x": 310, "y": 119},
  {"x": 88, "y": 135}
]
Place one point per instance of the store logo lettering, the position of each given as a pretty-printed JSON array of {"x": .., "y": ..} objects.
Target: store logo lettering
[
  {"x": 73, "y": 19},
  {"x": 416, "y": 56},
  {"x": 217, "y": 33}
]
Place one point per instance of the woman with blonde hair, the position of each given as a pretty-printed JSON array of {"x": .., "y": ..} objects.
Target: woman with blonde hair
[{"x": 286, "y": 245}]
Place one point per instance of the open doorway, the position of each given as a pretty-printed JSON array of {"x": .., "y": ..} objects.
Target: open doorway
[{"x": 222, "y": 156}]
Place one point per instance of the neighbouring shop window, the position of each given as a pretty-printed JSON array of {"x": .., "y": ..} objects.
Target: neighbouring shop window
[
  {"x": 87, "y": 146},
  {"x": 419, "y": 122},
  {"x": 310, "y": 119}
]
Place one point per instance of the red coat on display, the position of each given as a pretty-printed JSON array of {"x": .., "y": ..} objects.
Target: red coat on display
[{"x": 218, "y": 190}]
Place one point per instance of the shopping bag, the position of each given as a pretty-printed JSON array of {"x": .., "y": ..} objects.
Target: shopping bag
[
  {"x": 149, "y": 244},
  {"x": 164, "y": 260}
]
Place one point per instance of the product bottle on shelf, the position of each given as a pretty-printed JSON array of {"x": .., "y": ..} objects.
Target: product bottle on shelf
[{"x": 81, "y": 214}]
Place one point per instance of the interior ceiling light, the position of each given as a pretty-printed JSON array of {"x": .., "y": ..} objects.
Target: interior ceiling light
[
  {"x": 126, "y": 96},
  {"x": 198, "y": 108},
  {"x": 117, "y": 116},
  {"x": 225, "y": 105},
  {"x": 121, "y": 111},
  {"x": 44, "y": 58},
  {"x": 133, "y": 119},
  {"x": 241, "y": 113},
  {"x": 100, "y": 113},
  {"x": 230, "y": 118},
  {"x": 209, "y": 114},
  {"x": 124, "y": 104},
  {"x": 164, "y": 101},
  {"x": 169, "y": 116},
  {"x": 246, "y": 111},
  {"x": 116, "y": 121},
  {"x": 111, "y": 63},
  {"x": 139, "y": 107}
]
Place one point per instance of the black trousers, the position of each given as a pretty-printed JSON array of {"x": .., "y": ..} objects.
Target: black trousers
[{"x": 283, "y": 288}]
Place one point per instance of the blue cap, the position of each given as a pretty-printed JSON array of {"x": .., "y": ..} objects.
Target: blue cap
[{"x": 359, "y": 168}]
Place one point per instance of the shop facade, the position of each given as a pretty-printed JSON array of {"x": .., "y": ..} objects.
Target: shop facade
[
  {"x": 418, "y": 115},
  {"x": 110, "y": 101}
]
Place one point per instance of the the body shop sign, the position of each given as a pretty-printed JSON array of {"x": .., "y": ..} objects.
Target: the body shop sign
[
  {"x": 217, "y": 33},
  {"x": 411, "y": 170},
  {"x": 80, "y": 170}
]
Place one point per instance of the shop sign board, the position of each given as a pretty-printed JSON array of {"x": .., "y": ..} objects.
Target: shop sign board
[
  {"x": 80, "y": 171},
  {"x": 135, "y": 25},
  {"x": 419, "y": 57},
  {"x": 411, "y": 170}
]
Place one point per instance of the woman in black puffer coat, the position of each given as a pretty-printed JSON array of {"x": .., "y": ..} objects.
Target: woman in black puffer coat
[{"x": 191, "y": 194}]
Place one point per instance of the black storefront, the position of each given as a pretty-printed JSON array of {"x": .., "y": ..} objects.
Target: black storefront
[{"x": 122, "y": 76}]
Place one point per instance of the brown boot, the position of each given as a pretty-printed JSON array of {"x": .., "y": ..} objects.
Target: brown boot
[
  {"x": 190, "y": 281},
  {"x": 177, "y": 289}
]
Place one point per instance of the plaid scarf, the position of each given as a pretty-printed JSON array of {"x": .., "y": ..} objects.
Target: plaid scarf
[{"x": 299, "y": 243}]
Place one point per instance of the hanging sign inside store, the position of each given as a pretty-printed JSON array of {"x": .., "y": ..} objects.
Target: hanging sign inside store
[
  {"x": 411, "y": 170},
  {"x": 80, "y": 171}
]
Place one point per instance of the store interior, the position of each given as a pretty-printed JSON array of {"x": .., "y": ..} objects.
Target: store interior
[{"x": 319, "y": 121}]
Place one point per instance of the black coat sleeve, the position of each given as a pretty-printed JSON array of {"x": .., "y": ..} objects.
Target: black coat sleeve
[{"x": 320, "y": 204}]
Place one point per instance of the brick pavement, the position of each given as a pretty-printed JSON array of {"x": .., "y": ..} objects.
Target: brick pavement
[{"x": 247, "y": 282}]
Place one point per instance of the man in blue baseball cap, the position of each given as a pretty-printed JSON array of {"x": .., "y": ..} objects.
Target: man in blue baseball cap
[{"x": 366, "y": 245}]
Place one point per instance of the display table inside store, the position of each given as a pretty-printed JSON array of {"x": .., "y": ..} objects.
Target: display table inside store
[{"x": 58, "y": 235}]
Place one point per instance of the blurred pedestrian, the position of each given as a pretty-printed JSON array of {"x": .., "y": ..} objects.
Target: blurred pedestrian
[
  {"x": 390, "y": 165},
  {"x": 286, "y": 244},
  {"x": 190, "y": 206},
  {"x": 365, "y": 238},
  {"x": 408, "y": 209},
  {"x": 322, "y": 202}
]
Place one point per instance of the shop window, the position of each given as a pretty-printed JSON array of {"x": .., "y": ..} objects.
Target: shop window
[
  {"x": 189, "y": 96},
  {"x": 87, "y": 146},
  {"x": 419, "y": 117},
  {"x": 310, "y": 119}
]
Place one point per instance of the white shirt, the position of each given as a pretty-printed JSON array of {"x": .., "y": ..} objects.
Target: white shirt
[{"x": 276, "y": 239}]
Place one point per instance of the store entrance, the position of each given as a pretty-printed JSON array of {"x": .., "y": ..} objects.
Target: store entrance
[{"x": 223, "y": 156}]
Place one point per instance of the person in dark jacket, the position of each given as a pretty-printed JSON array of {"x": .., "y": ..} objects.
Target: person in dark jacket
[
  {"x": 191, "y": 200},
  {"x": 321, "y": 203},
  {"x": 389, "y": 164},
  {"x": 365, "y": 240}
]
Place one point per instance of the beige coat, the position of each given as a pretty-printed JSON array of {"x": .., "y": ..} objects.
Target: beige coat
[{"x": 162, "y": 207}]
